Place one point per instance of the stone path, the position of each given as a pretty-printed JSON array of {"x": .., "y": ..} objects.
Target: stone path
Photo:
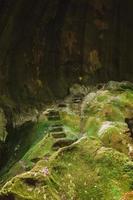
[
  {"x": 76, "y": 103},
  {"x": 53, "y": 115},
  {"x": 56, "y": 129}
]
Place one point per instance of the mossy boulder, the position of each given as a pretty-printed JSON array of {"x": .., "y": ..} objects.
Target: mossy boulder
[
  {"x": 114, "y": 134},
  {"x": 86, "y": 171}
]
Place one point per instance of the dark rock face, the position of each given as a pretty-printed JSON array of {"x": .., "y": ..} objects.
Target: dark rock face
[{"x": 47, "y": 45}]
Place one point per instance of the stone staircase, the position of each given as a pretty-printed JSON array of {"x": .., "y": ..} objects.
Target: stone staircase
[
  {"x": 62, "y": 105},
  {"x": 53, "y": 115},
  {"x": 63, "y": 142},
  {"x": 56, "y": 130},
  {"x": 76, "y": 103}
]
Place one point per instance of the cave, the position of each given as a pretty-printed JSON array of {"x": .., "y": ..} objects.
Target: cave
[{"x": 66, "y": 99}]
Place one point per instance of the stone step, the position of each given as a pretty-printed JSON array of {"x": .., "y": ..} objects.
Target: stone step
[
  {"x": 54, "y": 118},
  {"x": 62, "y": 143},
  {"x": 53, "y": 112},
  {"x": 58, "y": 134},
  {"x": 78, "y": 97},
  {"x": 49, "y": 110},
  {"x": 56, "y": 129},
  {"x": 56, "y": 125},
  {"x": 77, "y": 101},
  {"x": 62, "y": 105}
]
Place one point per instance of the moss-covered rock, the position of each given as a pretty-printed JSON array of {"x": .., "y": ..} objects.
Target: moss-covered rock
[
  {"x": 91, "y": 162},
  {"x": 113, "y": 134},
  {"x": 86, "y": 171}
]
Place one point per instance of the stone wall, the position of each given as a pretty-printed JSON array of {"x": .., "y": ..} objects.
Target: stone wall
[{"x": 46, "y": 45}]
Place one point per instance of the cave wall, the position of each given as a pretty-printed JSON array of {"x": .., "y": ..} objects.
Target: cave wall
[{"x": 46, "y": 45}]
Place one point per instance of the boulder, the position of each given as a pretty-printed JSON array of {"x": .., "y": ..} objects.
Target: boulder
[{"x": 113, "y": 135}]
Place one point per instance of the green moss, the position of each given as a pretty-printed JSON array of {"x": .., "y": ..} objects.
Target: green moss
[
  {"x": 92, "y": 126},
  {"x": 100, "y": 175},
  {"x": 40, "y": 149},
  {"x": 71, "y": 120},
  {"x": 95, "y": 167}
]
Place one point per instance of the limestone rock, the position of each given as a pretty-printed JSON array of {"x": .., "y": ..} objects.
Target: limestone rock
[{"x": 113, "y": 135}]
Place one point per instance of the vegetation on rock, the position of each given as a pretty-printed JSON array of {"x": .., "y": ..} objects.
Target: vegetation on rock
[{"x": 93, "y": 159}]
